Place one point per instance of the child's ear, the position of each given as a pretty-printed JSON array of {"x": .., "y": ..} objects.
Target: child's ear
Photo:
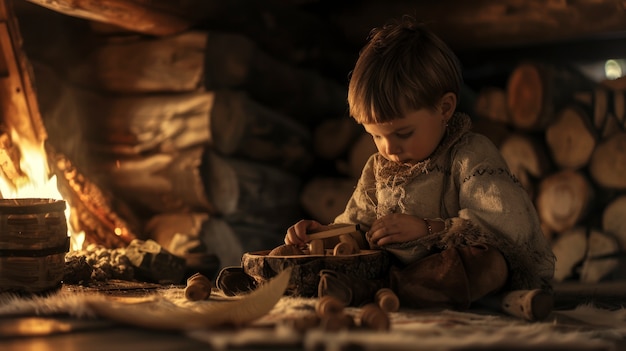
[{"x": 448, "y": 105}]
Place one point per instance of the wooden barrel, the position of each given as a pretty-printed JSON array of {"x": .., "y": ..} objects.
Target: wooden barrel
[
  {"x": 33, "y": 244},
  {"x": 367, "y": 264}
]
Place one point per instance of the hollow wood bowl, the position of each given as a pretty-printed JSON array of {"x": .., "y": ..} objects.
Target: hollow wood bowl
[{"x": 367, "y": 264}]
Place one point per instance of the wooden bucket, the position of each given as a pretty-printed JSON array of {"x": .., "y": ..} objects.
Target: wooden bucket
[
  {"x": 33, "y": 244},
  {"x": 367, "y": 264}
]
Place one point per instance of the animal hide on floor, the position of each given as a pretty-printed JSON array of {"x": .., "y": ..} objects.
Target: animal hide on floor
[
  {"x": 577, "y": 329},
  {"x": 583, "y": 328},
  {"x": 167, "y": 309}
]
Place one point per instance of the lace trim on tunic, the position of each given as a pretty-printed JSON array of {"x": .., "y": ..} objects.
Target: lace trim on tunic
[{"x": 393, "y": 174}]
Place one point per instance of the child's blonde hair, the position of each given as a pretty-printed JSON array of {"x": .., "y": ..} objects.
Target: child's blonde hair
[{"x": 404, "y": 66}]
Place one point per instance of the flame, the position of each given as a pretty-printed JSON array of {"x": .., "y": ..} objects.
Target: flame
[{"x": 37, "y": 182}]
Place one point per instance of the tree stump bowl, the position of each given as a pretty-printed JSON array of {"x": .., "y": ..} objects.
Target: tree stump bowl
[{"x": 367, "y": 264}]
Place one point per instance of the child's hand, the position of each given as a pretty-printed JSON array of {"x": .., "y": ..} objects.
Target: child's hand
[
  {"x": 396, "y": 228},
  {"x": 297, "y": 233}
]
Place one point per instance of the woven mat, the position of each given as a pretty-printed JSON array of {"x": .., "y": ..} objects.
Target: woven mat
[{"x": 583, "y": 328}]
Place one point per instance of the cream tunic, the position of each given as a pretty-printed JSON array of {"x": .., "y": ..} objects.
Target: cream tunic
[{"x": 466, "y": 183}]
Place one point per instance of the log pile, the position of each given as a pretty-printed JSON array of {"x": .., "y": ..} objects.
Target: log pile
[
  {"x": 201, "y": 124},
  {"x": 565, "y": 139}
]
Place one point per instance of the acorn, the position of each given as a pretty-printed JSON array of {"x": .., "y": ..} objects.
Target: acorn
[
  {"x": 387, "y": 300},
  {"x": 198, "y": 287},
  {"x": 329, "y": 306},
  {"x": 373, "y": 317}
]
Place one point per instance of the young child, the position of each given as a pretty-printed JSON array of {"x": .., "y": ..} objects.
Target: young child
[{"x": 436, "y": 196}]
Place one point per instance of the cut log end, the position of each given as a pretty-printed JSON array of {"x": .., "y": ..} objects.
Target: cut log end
[
  {"x": 571, "y": 138},
  {"x": 525, "y": 96},
  {"x": 613, "y": 219},
  {"x": 563, "y": 199},
  {"x": 608, "y": 162}
]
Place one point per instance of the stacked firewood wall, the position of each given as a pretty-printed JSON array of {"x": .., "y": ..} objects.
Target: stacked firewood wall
[
  {"x": 203, "y": 134},
  {"x": 566, "y": 142}
]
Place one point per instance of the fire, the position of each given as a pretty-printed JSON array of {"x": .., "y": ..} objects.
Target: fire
[{"x": 36, "y": 181}]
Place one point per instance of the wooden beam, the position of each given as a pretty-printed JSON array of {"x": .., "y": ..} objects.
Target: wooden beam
[
  {"x": 464, "y": 25},
  {"x": 18, "y": 101},
  {"x": 131, "y": 15},
  {"x": 492, "y": 23}
]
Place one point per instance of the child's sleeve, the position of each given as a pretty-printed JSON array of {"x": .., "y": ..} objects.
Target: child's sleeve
[{"x": 496, "y": 210}]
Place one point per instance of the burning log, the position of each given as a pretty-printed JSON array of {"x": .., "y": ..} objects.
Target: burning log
[
  {"x": 10, "y": 162},
  {"x": 92, "y": 210}
]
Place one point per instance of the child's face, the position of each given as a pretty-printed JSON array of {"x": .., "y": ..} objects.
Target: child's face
[{"x": 412, "y": 138}]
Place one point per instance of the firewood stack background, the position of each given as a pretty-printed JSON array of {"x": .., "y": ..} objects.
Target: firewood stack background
[{"x": 215, "y": 133}]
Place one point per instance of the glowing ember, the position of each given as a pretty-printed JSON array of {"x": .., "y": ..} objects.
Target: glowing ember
[{"x": 36, "y": 182}]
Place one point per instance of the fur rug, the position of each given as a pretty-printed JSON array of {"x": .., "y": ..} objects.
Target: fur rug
[
  {"x": 583, "y": 328},
  {"x": 431, "y": 330}
]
